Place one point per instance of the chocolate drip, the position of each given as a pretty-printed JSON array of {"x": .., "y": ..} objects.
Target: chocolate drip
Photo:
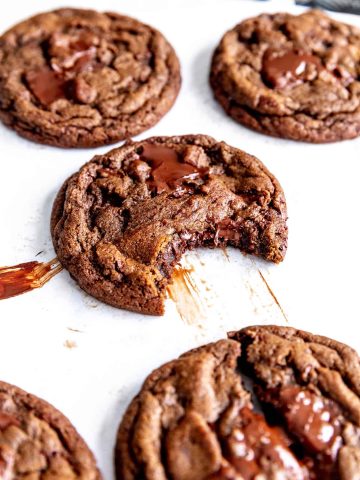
[{"x": 24, "y": 277}]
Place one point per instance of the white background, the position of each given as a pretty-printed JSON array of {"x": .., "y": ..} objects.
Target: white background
[{"x": 317, "y": 285}]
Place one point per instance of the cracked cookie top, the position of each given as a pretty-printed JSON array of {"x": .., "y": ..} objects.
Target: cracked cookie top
[
  {"x": 123, "y": 221},
  {"x": 38, "y": 443},
  {"x": 269, "y": 403},
  {"x": 80, "y": 78},
  {"x": 291, "y": 76}
]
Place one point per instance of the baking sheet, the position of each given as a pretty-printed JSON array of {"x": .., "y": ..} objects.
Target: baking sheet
[{"x": 89, "y": 359}]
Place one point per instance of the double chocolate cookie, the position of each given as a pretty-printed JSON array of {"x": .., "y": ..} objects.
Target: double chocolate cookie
[
  {"x": 80, "y": 78},
  {"x": 123, "y": 221},
  {"x": 269, "y": 403},
  {"x": 38, "y": 443},
  {"x": 295, "y": 77}
]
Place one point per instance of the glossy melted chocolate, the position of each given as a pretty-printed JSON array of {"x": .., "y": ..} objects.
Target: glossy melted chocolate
[
  {"x": 46, "y": 85},
  {"x": 168, "y": 172},
  {"x": 252, "y": 440},
  {"x": 24, "y": 277},
  {"x": 69, "y": 55},
  {"x": 74, "y": 53},
  {"x": 288, "y": 68},
  {"x": 312, "y": 420}
]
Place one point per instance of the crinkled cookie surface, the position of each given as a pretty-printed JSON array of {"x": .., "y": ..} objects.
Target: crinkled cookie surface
[
  {"x": 291, "y": 76},
  {"x": 38, "y": 443},
  {"x": 81, "y": 78},
  {"x": 269, "y": 403}
]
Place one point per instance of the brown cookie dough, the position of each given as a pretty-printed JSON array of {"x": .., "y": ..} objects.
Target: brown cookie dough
[
  {"x": 80, "y": 78},
  {"x": 294, "y": 77},
  {"x": 38, "y": 443},
  {"x": 121, "y": 223},
  {"x": 269, "y": 403}
]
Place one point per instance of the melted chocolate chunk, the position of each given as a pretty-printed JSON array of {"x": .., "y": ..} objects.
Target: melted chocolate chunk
[
  {"x": 46, "y": 85},
  {"x": 69, "y": 55},
  {"x": 288, "y": 68},
  {"x": 252, "y": 440},
  {"x": 74, "y": 53},
  {"x": 312, "y": 419},
  {"x": 168, "y": 172}
]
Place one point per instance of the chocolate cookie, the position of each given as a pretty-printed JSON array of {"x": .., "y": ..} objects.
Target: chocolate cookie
[
  {"x": 269, "y": 403},
  {"x": 123, "y": 221},
  {"x": 80, "y": 78},
  {"x": 38, "y": 442},
  {"x": 291, "y": 76}
]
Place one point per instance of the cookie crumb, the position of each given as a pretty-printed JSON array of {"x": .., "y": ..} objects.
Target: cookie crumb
[{"x": 70, "y": 344}]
